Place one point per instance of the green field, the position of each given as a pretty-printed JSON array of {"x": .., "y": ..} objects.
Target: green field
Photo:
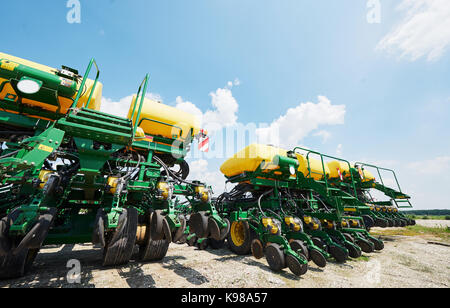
[
  {"x": 442, "y": 233},
  {"x": 432, "y": 217},
  {"x": 428, "y": 214}
]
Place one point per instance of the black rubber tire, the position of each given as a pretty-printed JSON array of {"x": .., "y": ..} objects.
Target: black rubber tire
[
  {"x": 31, "y": 256},
  {"x": 98, "y": 235},
  {"x": 119, "y": 248},
  {"x": 275, "y": 257},
  {"x": 295, "y": 266},
  {"x": 18, "y": 260},
  {"x": 14, "y": 266},
  {"x": 353, "y": 252},
  {"x": 382, "y": 223},
  {"x": 365, "y": 245},
  {"x": 369, "y": 222},
  {"x": 320, "y": 243},
  {"x": 318, "y": 258},
  {"x": 156, "y": 226},
  {"x": 166, "y": 230},
  {"x": 249, "y": 236},
  {"x": 36, "y": 236},
  {"x": 338, "y": 254},
  {"x": 348, "y": 237},
  {"x": 155, "y": 250},
  {"x": 379, "y": 245},
  {"x": 299, "y": 247},
  {"x": 257, "y": 249},
  {"x": 5, "y": 243}
]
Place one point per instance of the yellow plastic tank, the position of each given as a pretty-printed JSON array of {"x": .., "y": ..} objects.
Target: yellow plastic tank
[
  {"x": 65, "y": 103},
  {"x": 315, "y": 166},
  {"x": 158, "y": 119},
  {"x": 366, "y": 175},
  {"x": 249, "y": 159},
  {"x": 335, "y": 165}
]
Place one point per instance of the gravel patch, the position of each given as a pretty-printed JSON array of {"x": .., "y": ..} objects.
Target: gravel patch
[{"x": 405, "y": 262}]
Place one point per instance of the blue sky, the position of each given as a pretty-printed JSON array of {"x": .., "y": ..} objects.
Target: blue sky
[{"x": 282, "y": 53}]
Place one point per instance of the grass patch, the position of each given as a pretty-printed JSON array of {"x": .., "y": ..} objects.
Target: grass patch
[
  {"x": 443, "y": 233},
  {"x": 414, "y": 265},
  {"x": 429, "y": 217},
  {"x": 362, "y": 258}
]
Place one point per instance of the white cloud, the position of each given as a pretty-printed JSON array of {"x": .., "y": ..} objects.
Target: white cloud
[
  {"x": 200, "y": 170},
  {"x": 121, "y": 107},
  {"x": 223, "y": 113},
  {"x": 424, "y": 32},
  {"x": 436, "y": 166},
  {"x": 289, "y": 129},
  {"x": 188, "y": 107},
  {"x": 324, "y": 134},
  {"x": 426, "y": 181},
  {"x": 339, "y": 150}
]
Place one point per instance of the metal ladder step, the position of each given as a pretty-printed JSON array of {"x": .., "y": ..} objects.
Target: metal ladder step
[
  {"x": 95, "y": 133},
  {"x": 99, "y": 113},
  {"x": 103, "y": 117},
  {"x": 99, "y": 123}
]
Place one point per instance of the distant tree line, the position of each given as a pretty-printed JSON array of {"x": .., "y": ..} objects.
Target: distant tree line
[{"x": 428, "y": 212}]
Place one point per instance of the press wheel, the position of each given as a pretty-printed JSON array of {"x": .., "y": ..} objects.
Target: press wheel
[
  {"x": 257, "y": 249},
  {"x": 365, "y": 245},
  {"x": 156, "y": 226},
  {"x": 295, "y": 266},
  {"x": 17, "y": 260},
  {"x": 275, "y": 257},
  {"x": 317, "y": 258},
  {"x": 320, "y": 243},
  {"x": 379, "y": 245},
  {"x": 339, "y": 254},
  {"x": 300, "y": 248}
]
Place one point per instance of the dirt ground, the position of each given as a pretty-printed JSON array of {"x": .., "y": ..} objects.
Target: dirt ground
[{"x": 405, "y": 262}]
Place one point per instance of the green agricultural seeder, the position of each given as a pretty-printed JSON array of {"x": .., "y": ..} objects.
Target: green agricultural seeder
[
  {"x": 72, "y": 174},
  {"x": 384, "y": 213},
  {"x": 284, "y": 206},
  {"x": 358, "y": 181},
  {"x": 338, "y": 211}
]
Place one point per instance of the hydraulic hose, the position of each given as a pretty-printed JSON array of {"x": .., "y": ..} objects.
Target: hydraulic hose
[
  {"x": 172, "y": 174},
  {"x": 260, "y": 198}
]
